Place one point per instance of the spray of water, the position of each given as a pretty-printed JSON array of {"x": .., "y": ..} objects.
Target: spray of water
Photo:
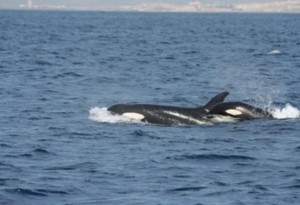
[
  {"x": 103, "y": 115},
  {"x": 286, "y": 112}
]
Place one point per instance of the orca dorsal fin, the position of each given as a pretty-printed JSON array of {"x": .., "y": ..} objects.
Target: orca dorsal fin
[{"x": 215, "y": 100}]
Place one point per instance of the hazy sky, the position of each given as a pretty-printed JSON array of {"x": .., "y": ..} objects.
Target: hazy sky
[{"x": 161, "y": 5}]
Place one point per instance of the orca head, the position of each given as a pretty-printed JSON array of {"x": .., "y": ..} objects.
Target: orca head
[
  {"x": 128, "y": 111},
  {"x": 239, "y": 110},
  {"x": 118, "y": 109}
]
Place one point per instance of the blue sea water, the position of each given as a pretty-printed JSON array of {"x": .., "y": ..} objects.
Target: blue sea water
[{"x": 59, "y": 71}]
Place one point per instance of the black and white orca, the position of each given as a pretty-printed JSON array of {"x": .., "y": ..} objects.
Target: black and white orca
[
  {"x": 235, "y": 111},
  {"x": 215, "y": 111},
  {"x": 167, "y": 115}
]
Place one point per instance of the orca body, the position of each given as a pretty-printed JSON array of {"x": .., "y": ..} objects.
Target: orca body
[
  {"x": 215, "y": 111},
  {"x": 168, "y": 115}
]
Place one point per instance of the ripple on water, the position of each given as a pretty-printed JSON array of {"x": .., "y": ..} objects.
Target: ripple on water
[
  {"x": 211, "y": 157},
  {"x": 25, "y": 192},
  {"x": 187, "y": 189},
  {"x": 35, "y": 192},
  {"x": 89, "y": 166}
]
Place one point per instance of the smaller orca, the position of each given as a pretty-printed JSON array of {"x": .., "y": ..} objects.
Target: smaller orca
[
  {"x": 167, "y": 115},
  {"x": 236, "y": 111}
]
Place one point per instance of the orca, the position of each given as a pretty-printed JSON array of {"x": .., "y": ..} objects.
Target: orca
[
  {"x": 168, "y": 115},
  {"x": 236, "y": 111},
  {"x": 215, "y": 111}
]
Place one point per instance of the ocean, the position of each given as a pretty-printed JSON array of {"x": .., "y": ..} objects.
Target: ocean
[{"x": 61, "y": 70}]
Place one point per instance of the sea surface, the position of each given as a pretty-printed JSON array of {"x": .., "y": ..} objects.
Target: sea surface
[{"x": 60, "y": 71}]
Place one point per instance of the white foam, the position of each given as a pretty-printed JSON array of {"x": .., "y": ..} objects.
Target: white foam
[
  {"x": 274, "y": 52},
  {"x": 287, "y": 112},
  {"x": 103, "y": 115}
]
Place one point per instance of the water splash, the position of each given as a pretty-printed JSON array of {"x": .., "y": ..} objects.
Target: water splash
[
  {"x": 286, "y": 112},
  {"x": 103, "y": 115},
  {"x": 274, "y": 52}
]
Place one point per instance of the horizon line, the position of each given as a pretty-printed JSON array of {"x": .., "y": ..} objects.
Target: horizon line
[
  {"x": 137, "y": 11},
  {"x": 193, "y": 6}
]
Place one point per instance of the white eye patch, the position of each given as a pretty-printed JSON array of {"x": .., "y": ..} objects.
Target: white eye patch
[
  {"x": 233, "y": 112},
  {"x": 133, "y": 115}
]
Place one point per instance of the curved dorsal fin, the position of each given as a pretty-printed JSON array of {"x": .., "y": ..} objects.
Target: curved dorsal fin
[{"x": 216, "y": 100}]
